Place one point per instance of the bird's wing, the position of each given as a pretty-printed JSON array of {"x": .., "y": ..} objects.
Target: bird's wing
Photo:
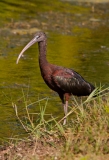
[{"x": 70, "y": 81}]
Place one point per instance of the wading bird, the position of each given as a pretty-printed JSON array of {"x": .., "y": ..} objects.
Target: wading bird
[{"x": 62, "y": 80}]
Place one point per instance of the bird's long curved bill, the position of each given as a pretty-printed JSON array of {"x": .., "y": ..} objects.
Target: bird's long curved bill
[{"x": 34, "y": 40}]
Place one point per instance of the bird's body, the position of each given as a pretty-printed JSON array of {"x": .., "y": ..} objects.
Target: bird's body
[{"x": 62, "y": 80}]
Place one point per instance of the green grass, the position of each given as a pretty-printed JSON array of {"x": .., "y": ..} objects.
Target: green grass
[{"x": 85, "y": 137}]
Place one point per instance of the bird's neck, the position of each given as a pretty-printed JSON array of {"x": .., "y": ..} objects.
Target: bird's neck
[{"x": 42, "y": 53}]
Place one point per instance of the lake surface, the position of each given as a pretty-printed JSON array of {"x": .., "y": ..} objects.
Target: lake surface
[{"x": 78, "y": 38}]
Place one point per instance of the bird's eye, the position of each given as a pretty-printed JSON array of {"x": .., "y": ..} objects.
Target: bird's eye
[{"x": 37, "y": 37}]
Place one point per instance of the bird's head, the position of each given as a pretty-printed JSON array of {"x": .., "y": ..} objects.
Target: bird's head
[{"x": 39, "y": 36}]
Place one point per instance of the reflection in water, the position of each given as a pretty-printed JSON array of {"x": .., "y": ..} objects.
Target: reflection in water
[{"x": 77, "y": 38}]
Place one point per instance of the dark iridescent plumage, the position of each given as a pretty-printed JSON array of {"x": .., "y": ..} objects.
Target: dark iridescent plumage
[{"x": 62, "y": 80}]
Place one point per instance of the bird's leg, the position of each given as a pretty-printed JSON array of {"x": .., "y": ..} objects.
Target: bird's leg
[
  {"x": 65, "y": 112},
  {"x": 61, "y": 95},
  {"x": 65, "y": 96}
]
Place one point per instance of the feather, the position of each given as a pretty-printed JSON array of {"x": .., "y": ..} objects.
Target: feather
[{"x": 70, "y": 81}]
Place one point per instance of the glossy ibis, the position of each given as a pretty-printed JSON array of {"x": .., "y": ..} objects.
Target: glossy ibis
[{"x": 64, "y": 81}]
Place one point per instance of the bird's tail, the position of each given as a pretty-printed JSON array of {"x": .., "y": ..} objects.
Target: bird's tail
[{"x": 100, "y": 91}]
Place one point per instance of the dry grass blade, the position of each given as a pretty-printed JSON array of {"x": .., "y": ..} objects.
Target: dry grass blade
[{"x": 16, "y": 113}]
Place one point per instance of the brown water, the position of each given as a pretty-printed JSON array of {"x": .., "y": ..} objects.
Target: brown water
[{"x": 78, "y": 38}]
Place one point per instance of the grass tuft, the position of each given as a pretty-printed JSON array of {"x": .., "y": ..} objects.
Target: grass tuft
[{"x": 85, "y": 137}]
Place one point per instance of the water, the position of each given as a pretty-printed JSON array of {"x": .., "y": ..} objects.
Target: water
[{"x": 77, "y": 38}]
